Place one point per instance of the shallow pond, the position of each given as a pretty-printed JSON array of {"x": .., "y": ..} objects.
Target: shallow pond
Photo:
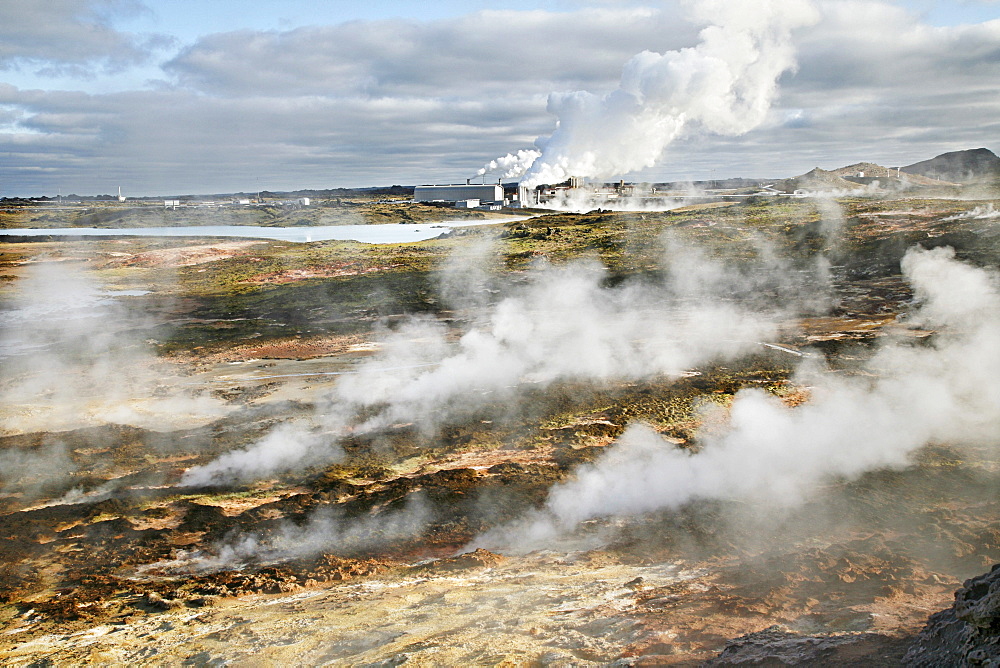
[{"x": 370, "y": 234}]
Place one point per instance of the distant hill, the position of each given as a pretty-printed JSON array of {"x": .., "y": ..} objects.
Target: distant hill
[
  {"x": 887, "y": 177},
  {"x": 858, "y": 175},
  {"x": 864, "y": 170},
  {"x": 970, "y": 166},
  {"x": 816, "y": 180}
]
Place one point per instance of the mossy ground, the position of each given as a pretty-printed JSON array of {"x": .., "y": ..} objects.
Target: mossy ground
[
  {"x": 489, "y": 465},
  {"x": 353, "y": 210}
]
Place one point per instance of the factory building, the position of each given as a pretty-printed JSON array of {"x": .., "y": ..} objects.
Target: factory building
[{"x": 459, "y": 193}]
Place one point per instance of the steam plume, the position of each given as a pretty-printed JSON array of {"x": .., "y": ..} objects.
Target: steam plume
[
  {"x": 324, "y": 529},
  {"x": 511, "y": 165},
  {"x": 566, "y": 324},
  {"x": 944, "y": 392},
  {"x": 724, "y": 85},
  {"x": 285, "y": 448},
  {"x": 986, "y": 212}
]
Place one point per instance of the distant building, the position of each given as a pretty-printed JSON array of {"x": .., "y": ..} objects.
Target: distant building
[
  {"x": 171, "y": 202},
  {"x": 302, "y": 201},
  {"x": 121, "y": 198},
  {"x": 456, "y": 193},
  {"x": 467, "y": 204}
]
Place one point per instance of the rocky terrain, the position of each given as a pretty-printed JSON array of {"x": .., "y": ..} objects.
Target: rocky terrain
[{"x": 129, "y": 534}]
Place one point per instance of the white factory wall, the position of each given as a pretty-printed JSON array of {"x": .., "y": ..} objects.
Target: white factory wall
[{"x": 482, "y": 192}]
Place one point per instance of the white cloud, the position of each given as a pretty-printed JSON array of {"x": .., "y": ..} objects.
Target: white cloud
[
  {"x": 70, "y": 37},
  {"x": 487, "y": 51},
  {"x": 394, "y": 101}
]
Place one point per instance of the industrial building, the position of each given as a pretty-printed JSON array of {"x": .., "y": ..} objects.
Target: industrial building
[{"x": 485, "y": 193}]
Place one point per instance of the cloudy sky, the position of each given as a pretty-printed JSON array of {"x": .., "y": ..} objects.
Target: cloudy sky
[{"x": 208, "y": 96}]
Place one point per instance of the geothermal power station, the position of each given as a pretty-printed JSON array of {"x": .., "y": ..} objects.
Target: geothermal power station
[
  {"x": 945, "y": 172},
  {"x": 574, "y": 191}
]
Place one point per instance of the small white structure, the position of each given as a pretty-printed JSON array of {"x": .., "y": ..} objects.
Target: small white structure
[
  {"x": 302, "y": 201},
  {"x": 467, "y": 204},
  {"x": 171, "y": 203},
  {"x": 527, "y": 196},
  {"x": 121, "y": 198},
  {"x": 456, "y": 193}
]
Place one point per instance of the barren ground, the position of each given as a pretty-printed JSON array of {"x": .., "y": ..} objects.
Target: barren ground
[{"x": 105, "y": 558}]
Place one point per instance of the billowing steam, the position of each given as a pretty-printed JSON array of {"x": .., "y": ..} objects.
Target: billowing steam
[
  {"x": 324, "y": 530},
  {"x": 947, "y": 391},
  {"x": 724, "y": 85},
  {"x": 986, "y": 212},
  {"x": 566, "y": 324},
  {"x": 511, "y": 165},
  {"x": 285, "y": 448},
  {"x": 327, "y": 529}
]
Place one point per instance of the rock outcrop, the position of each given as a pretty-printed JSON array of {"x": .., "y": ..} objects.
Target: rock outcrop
[
  {"x": 967, "y": 633},
  {"x": 776, "y": 646}
]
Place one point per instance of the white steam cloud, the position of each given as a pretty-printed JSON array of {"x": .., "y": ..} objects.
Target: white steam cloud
[
  {"x": 724, "y": 85},
  {"x": 566, "y": 324},
  {"x": 986, "y": 212},
  {"x": 285, "y": 448},
  {"x": 946, "y": 391},
  {"x": 324, "y": 530},
  {"x": 511, "y": 165}
]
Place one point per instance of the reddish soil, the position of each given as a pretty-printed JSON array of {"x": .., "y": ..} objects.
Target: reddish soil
[{"x": 336, "y": 270}]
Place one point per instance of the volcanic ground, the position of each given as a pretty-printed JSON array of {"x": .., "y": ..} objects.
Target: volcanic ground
[{"x": 176, "y": 352}]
